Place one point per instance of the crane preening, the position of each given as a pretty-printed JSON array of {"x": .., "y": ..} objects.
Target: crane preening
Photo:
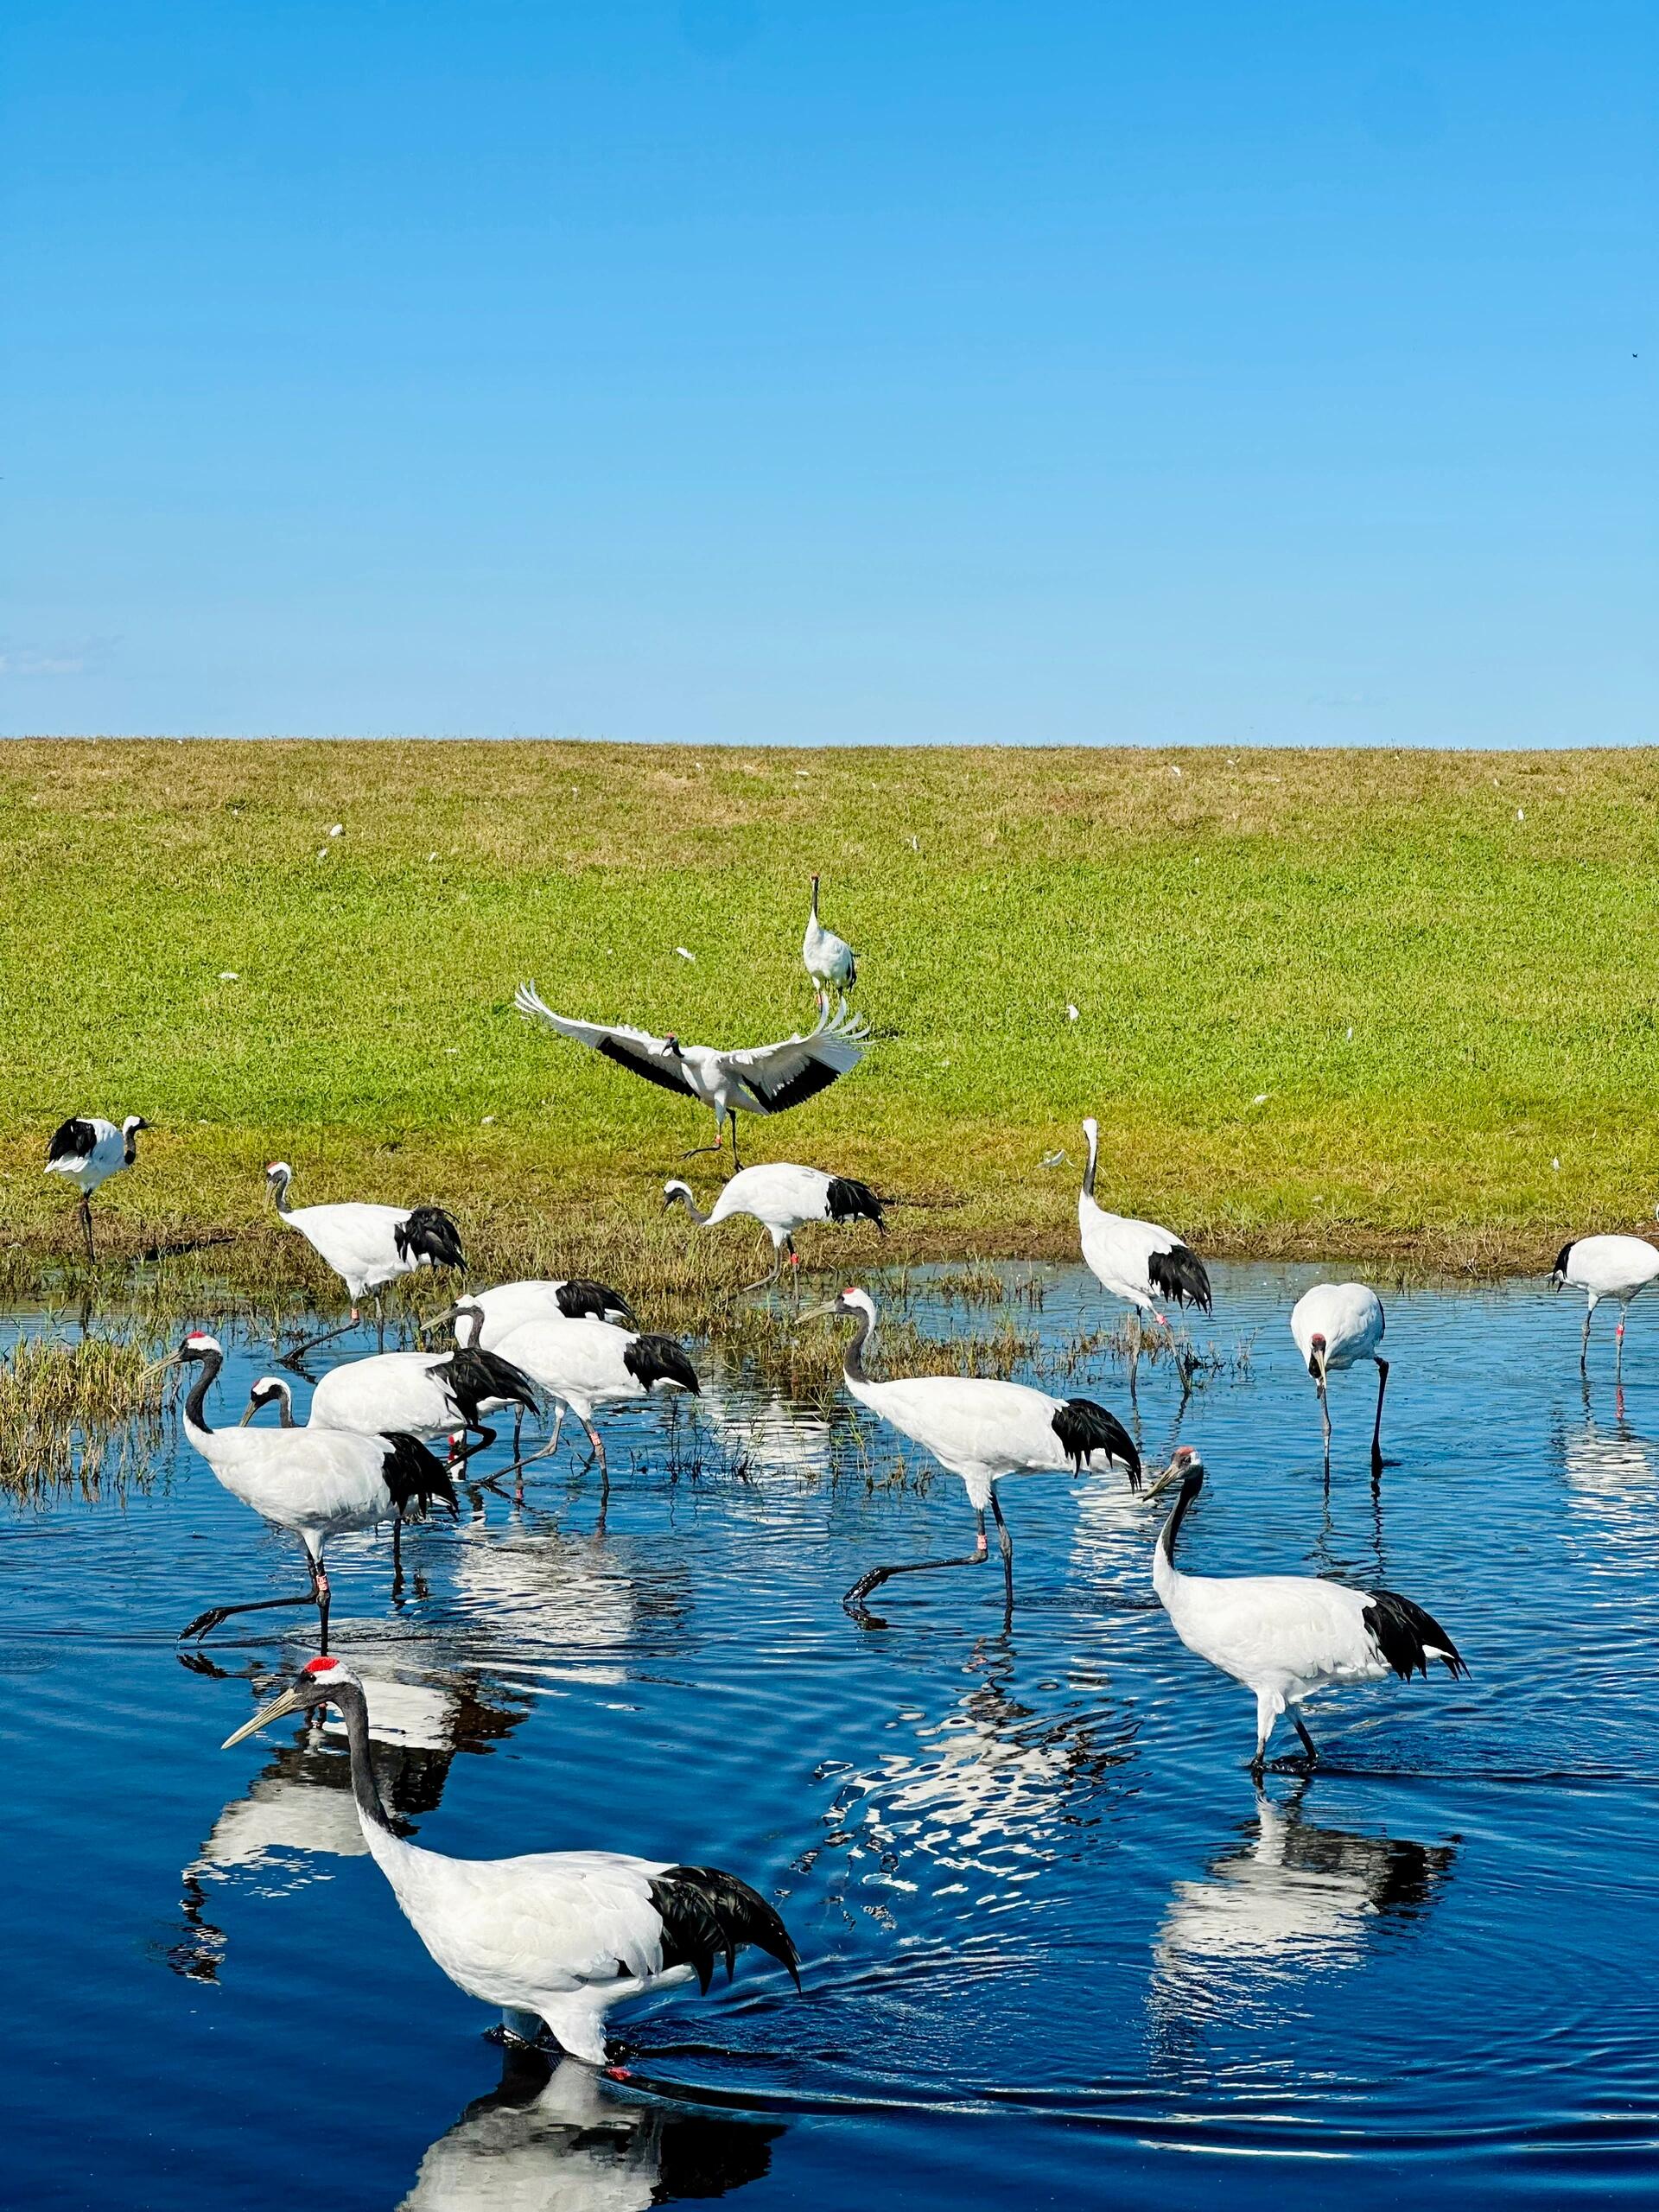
[
  {"x": 1335, "y": 1325},
  {"x": 88, "y": 1150},
  {"x": 766, "y": 1079},
  {"x": 314, "y": 1483},
  {"x": 557, "y": 1937},
  {"x": 1285, "y": 1637},
  {"x": 982, "y": 1430},
  {"x": 1606, "y": 1267},
  {"x": 783, "y": 1198},
  {"x": 366, "y": 1246},
  {"x": 830, "y": 961}
]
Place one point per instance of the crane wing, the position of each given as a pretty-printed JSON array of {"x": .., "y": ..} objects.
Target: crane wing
[
  {"x": 636, "y": 1049},
  {"x": 782, "y": 1074}
]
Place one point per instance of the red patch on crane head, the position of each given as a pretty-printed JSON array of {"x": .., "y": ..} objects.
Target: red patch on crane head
[
  {"x": 1318, "y": 1339},
  {"x": 323, "y": 1666},
  {"x": 197, "y": 1336}
]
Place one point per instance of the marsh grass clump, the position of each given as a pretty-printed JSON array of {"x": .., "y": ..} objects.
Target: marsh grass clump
[{"x": 77, "y": 1413}]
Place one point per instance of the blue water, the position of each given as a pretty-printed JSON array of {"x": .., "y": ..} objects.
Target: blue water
[{"x": 1057, "y": 1948}]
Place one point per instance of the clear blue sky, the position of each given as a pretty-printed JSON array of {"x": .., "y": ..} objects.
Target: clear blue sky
[{"x": 718, "y": 369}]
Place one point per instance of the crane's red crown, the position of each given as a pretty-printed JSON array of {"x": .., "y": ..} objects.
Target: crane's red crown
[{"x": 323, "y": 1666}]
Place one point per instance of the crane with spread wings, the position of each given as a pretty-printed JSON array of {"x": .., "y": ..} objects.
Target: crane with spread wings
[{"x": 766, "y": 1079}]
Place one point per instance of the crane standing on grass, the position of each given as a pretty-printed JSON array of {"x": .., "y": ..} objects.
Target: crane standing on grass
[
  {"x": 88, "y": 1150},
  {"x": 783, "y": 1198},
  {"x": 830, "y": 961}
]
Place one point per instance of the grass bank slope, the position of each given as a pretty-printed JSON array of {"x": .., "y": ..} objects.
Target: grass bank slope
[{"x": 1359, "y": 1001}]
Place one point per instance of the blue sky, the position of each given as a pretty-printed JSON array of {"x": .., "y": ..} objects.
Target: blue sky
[{"x": 724, "y": 370}]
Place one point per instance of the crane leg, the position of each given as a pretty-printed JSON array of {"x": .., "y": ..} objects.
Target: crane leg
[
  {"x": 736, "y": 1162},
  {"x": 1005, "y": 1544},
  {"x": 1325, "y": 1414},
  {"x": 316, "y": 1595},
  {"x": 1584, "y": 1341},
  {"x": 1618, "y": 1343},
  {"x": 765, "y": 1282},
  {"x": 853, "y": 1601},
  {"x": 296, "y": 1352},
  {"x": 1308, "y": 1744},
  {"x": 86, "y": 1224},
  {"x": 1377, "y": 1433},
  {"x": 598, "y": 1443},
  {"x": 1267, "y": 1711}
]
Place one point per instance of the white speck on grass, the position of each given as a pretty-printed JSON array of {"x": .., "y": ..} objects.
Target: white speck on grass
[
  {"x": 487, "y": 1119},
  {"x": 1173, "y": 770},
  {"x": 1556, "y": 1164},
  {"x": 1070, "y": 1011},
  {"x": 322, "y": 852},
  {"x": 431, "y": 856},
  {"x": 1520, "y": 813},
  {"x": 685, "y": 955},
  {"x": 1052, "y": 1159},
  {"x": 229, "y": 975},
  {"x": 1350, "y": 1029},
  {"x": 338, "y": 830},
  {"x": 1260, "y": 1098}
]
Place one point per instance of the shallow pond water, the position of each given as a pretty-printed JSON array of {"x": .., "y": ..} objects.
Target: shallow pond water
[{"x": 1057, "y": 1947}]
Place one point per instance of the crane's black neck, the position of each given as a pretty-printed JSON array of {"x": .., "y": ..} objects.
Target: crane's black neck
[
  {"x": 354, "y": 1712},
  {"x": 685, "y": 1199},
  {"x": 196, "y": 1406},
  {"x": 130, "y": 1151},
  {"x": 1088, "y": 1171},
  {"x": 1191, "y": 1485},
  {"x": 815, "y": 898},
  {"x": 279, "y": 1192},
  {"x": 285, "y": 1409},
  {"x": 852, "y": 1365}
]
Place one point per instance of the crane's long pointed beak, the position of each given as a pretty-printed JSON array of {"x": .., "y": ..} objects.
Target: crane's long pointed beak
[
  {"x": 289, "y": 1701},
  {"x": 439, "y": 1321},
  {"x": 249, "y": 1414},
  {"x": 1161, "y": 1482},
  {"x": 818, "y": 1312},
  {"x": 159, "y": 1366}
]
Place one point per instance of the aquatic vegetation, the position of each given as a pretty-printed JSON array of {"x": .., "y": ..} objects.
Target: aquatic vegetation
[{"x": 79, "y": 1412}]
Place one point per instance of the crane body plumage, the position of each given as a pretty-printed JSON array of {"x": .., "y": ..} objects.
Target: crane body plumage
[
  {"x": 368, "y": 1246},
  {"x": 1606, "y": 1267},
  {"x": 312, "y": 1482},
  {"x": 555, "y": 1937},
  {"x": 507, "y": 1305},
  {"x": 782, "y": 1197},
  {"x": 830, "y": 963},
  {"x": 1138, "y": 1262},
  {"x": 86, "y": 1150},
  {"x": 766, "y": 1079},
  {"x": 589, "y": 1363},
  {"x": 982, "y": 1430},
  {"x": 1335, "y": 1325},
  {"x": 1284, "y": 1636}
]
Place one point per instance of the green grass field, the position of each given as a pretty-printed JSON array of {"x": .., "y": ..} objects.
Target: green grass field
[{"x": 1357, "y": 1003}]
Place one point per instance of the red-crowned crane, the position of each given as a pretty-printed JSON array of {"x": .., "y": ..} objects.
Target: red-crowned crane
[
  {"x": 1136, "y": 1261},
  {"x": 1285, "y": 1637},
  {"x": 768, "y": 1079},
  {"x": 979, "y": 1429},
  {"x": 782, "y": 1199},
  {"x": 428, "y": 1393},
  {"x": 1337, "y": 1325},
  {"x": 88, "y": 1150},
  {"x": 830, "y": 963},
  {"x": 366, "y": 1246},
  {"x": 1606, "y": 1267},
  {"x": 314, "y": 1483},
  {"x": 589, "y": 1363},
  {"x": 556, "y": 1937}
]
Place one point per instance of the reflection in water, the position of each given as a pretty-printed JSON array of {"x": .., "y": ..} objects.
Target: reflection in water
[
  {"x": 764, "y": 1434},
  {"x": 991, "y": 1785},
  {"x": 1611, "y": 1481},
  {"x": 299, "y": 1809},
  {"x": 552, "y": 2138},
  {"x": 563, "y": 1605},
  {"x": 1298, "y": 1899}
]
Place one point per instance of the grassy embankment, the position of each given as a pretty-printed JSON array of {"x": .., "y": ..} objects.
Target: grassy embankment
[{"x": 1347, "y": 1005}]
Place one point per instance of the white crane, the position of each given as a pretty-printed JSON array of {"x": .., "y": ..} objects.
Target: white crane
[
  {"x": 783, "y": 1198},
  {"x": 314, "y": 1483},
  {"x": 1285, "y": 1637},
  {"x": 428, "y": 1393},
  {"x": 367, "y": 1246},
  {"x": 589, "y": 1363},
  {"x": 1337, "y": 1325},
  {"x": 556, "y": 1937},
  {"x": 1606, "y": 1267},
  {"x": 1136, "y": 1261},
  {"x": 88, "y": 1150},
  {"x": 507, "y": 1305},
  {"x": 980, "y": 1429},
  {"x": 830, "y": 963},
  {"x": 768, "y": 1079}
]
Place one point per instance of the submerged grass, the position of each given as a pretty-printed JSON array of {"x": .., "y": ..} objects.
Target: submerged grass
[
  {"x": 1396, "y": 1004},
  {"x": 78, "y": 1412}
]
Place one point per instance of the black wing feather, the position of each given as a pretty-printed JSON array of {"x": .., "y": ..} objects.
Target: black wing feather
[
  {"x": 660, "y": 1359},
  {"x": 579, "y": 1297},
  {"x": 1561, "y": 1257},
  {"x": 1085, "y": 1427},
  {"x": 1408, "y": 1637},
  {"x": 816, "y": 1075},
  {"x": 474, "y": 1374},
  {"x": 417, "y": 1480},
  {"x": 653, "y": 1070},
  {"x": 1178, "y": 1274},
  {"x": 848, "y": 1199},
  {"x": 708, "y": 1914},
  {"x": 74, "y": 1139},
  {"x": 428, "y": 1234}
]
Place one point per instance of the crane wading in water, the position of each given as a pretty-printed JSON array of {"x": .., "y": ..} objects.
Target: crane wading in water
[
  {"x": 557, "y": 1937},
  {"x": 1337, "y": 1325}
]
